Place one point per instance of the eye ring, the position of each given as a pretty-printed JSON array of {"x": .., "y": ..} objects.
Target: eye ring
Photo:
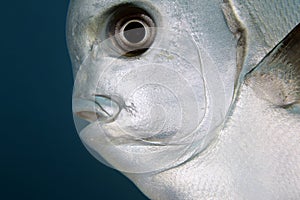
[
  {"x": 141, "y": 29},
  {"x": 132, "y": 30},
  {"x": 135, "y": 33}
]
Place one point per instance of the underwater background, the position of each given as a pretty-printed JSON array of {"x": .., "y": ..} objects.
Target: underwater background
[{"x": 41, "y": 154}]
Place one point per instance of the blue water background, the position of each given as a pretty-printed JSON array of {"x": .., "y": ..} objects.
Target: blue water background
[{"x": 41, "y": 154}]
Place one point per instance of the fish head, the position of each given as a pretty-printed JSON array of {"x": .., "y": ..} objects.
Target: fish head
[
  {"x": 204, "y": 94},
  {"x": 153, "y": 79}
]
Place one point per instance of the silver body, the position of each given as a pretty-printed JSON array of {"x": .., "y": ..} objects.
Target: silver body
[{"x": 252, "y": 151}]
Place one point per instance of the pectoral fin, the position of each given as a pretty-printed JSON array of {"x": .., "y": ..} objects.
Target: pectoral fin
[{"x": 277, "y": 76}]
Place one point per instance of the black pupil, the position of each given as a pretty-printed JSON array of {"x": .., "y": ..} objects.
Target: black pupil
[{"x": 134, "y": 32}]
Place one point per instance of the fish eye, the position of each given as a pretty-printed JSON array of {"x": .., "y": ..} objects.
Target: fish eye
[{"x": 132, "y": 30}]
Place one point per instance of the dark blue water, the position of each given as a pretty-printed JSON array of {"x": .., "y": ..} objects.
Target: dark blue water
[{"x": 41, "y": 154}]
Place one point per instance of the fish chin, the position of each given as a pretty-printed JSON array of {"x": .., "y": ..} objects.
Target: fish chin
[{"x": 111, "y": 146}]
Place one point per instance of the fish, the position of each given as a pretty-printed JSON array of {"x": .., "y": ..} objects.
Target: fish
[{"x": 190, "y": 99}]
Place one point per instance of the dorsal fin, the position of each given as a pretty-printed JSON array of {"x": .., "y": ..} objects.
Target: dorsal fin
[{"x": 277, "y": 76}]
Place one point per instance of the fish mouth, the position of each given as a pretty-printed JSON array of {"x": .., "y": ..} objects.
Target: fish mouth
[
  {"x": 101, "y": 108},
  {"x": 109, "y": 144},
  {"x": 107, "y": 136}
]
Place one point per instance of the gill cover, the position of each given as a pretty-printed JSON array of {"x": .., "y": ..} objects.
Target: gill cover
[{"x": 150, "y": 112}]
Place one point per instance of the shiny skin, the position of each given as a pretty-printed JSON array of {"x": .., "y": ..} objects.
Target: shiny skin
[{"x": 255, "y": 153}]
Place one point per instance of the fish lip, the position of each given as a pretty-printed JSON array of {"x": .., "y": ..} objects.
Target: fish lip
[
  {"x": 85, "y": 109},
  {"x": 100, "y": 108}
]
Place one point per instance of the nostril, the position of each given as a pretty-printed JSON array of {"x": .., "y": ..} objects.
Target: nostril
[{"x": 103, "y": 109}]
